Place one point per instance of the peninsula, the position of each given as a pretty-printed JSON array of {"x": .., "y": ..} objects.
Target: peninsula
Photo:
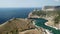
[
  {"x": 20, "y": 26},
  {"x": 50, "y": 13},
  {"x": 28, "y": 25}
]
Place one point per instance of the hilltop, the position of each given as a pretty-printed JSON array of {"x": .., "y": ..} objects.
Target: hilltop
[{"x": 20, "y": 26}]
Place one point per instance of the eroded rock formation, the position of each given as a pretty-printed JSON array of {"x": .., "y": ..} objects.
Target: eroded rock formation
[{"x": 53, "y": 17}]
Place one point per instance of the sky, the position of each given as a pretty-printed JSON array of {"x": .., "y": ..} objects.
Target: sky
[{"x": 28, "y": 3}]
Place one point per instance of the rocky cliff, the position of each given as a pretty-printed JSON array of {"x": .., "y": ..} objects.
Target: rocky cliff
[{"x": 53, "y": 17}]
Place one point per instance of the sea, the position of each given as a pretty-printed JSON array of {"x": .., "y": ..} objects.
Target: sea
[{"x": 9, "y": 13}]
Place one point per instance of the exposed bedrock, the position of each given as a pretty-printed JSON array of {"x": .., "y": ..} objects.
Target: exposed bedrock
[{"x": 53, "y": 17}]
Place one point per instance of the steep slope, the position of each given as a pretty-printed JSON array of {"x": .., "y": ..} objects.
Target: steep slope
[
  {"x": 53, "y": 17},
  {"x": 19, "y": 26}
]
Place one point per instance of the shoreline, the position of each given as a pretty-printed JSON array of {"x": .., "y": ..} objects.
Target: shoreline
[
  {"x": 6, "y": 22},
  {"x": 46, "y": 30},
  {"x": 52, "y": 26},
  {"x": 9, "y": 20}
]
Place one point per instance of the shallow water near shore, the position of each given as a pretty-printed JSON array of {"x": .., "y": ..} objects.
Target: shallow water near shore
[
  {"x": 40, "y": 22},
  {"x": 8, "y": 13}
]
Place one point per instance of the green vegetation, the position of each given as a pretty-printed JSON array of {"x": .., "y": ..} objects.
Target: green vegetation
[
  {"x": 48, "y": 14},
  {"x": 57, "y": 19},
  {"x": 39, "y": 13},
  {"x": 14, "y": 32}
]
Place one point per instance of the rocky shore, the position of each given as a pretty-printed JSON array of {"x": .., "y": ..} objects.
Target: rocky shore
[
  {"x": 27, "y": 26},
  {"x": 20, "y": 26},
  {"x": 45, "y": 31},
  {"x": 49, "y": 15}
]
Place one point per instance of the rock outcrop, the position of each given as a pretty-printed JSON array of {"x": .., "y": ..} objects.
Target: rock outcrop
[
  {"x": 53, "y": 17},
  {"x": 50, "y": 8}
]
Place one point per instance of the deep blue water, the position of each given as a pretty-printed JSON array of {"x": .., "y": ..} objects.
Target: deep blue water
[{"x": 8, "y": 13}]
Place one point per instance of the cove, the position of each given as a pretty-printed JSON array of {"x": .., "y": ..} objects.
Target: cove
[{"x": 40, "y": 22}]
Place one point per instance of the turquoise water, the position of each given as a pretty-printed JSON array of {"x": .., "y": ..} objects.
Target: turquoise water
[
  {"x": 40, "y": 22},
  {"x": 8, "y": 13}
]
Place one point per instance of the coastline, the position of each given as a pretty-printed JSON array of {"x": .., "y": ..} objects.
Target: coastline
[
  {"x": 6, "y": 22},
  {"x": 52, "y": 26},
  {"x": 48, "y": 32},
  {"x": 45, "y": 31}
]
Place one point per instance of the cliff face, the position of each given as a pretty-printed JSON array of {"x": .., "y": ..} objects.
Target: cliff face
[
  {"x": 19, "y": 26},
  {"x": 50, "y": 8},
  {"x": 53, "y": 17}
]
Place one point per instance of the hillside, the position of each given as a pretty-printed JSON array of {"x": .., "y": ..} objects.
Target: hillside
[
  {"x": 20, "y": 26},
  {"x": 53, "y": 17}
]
